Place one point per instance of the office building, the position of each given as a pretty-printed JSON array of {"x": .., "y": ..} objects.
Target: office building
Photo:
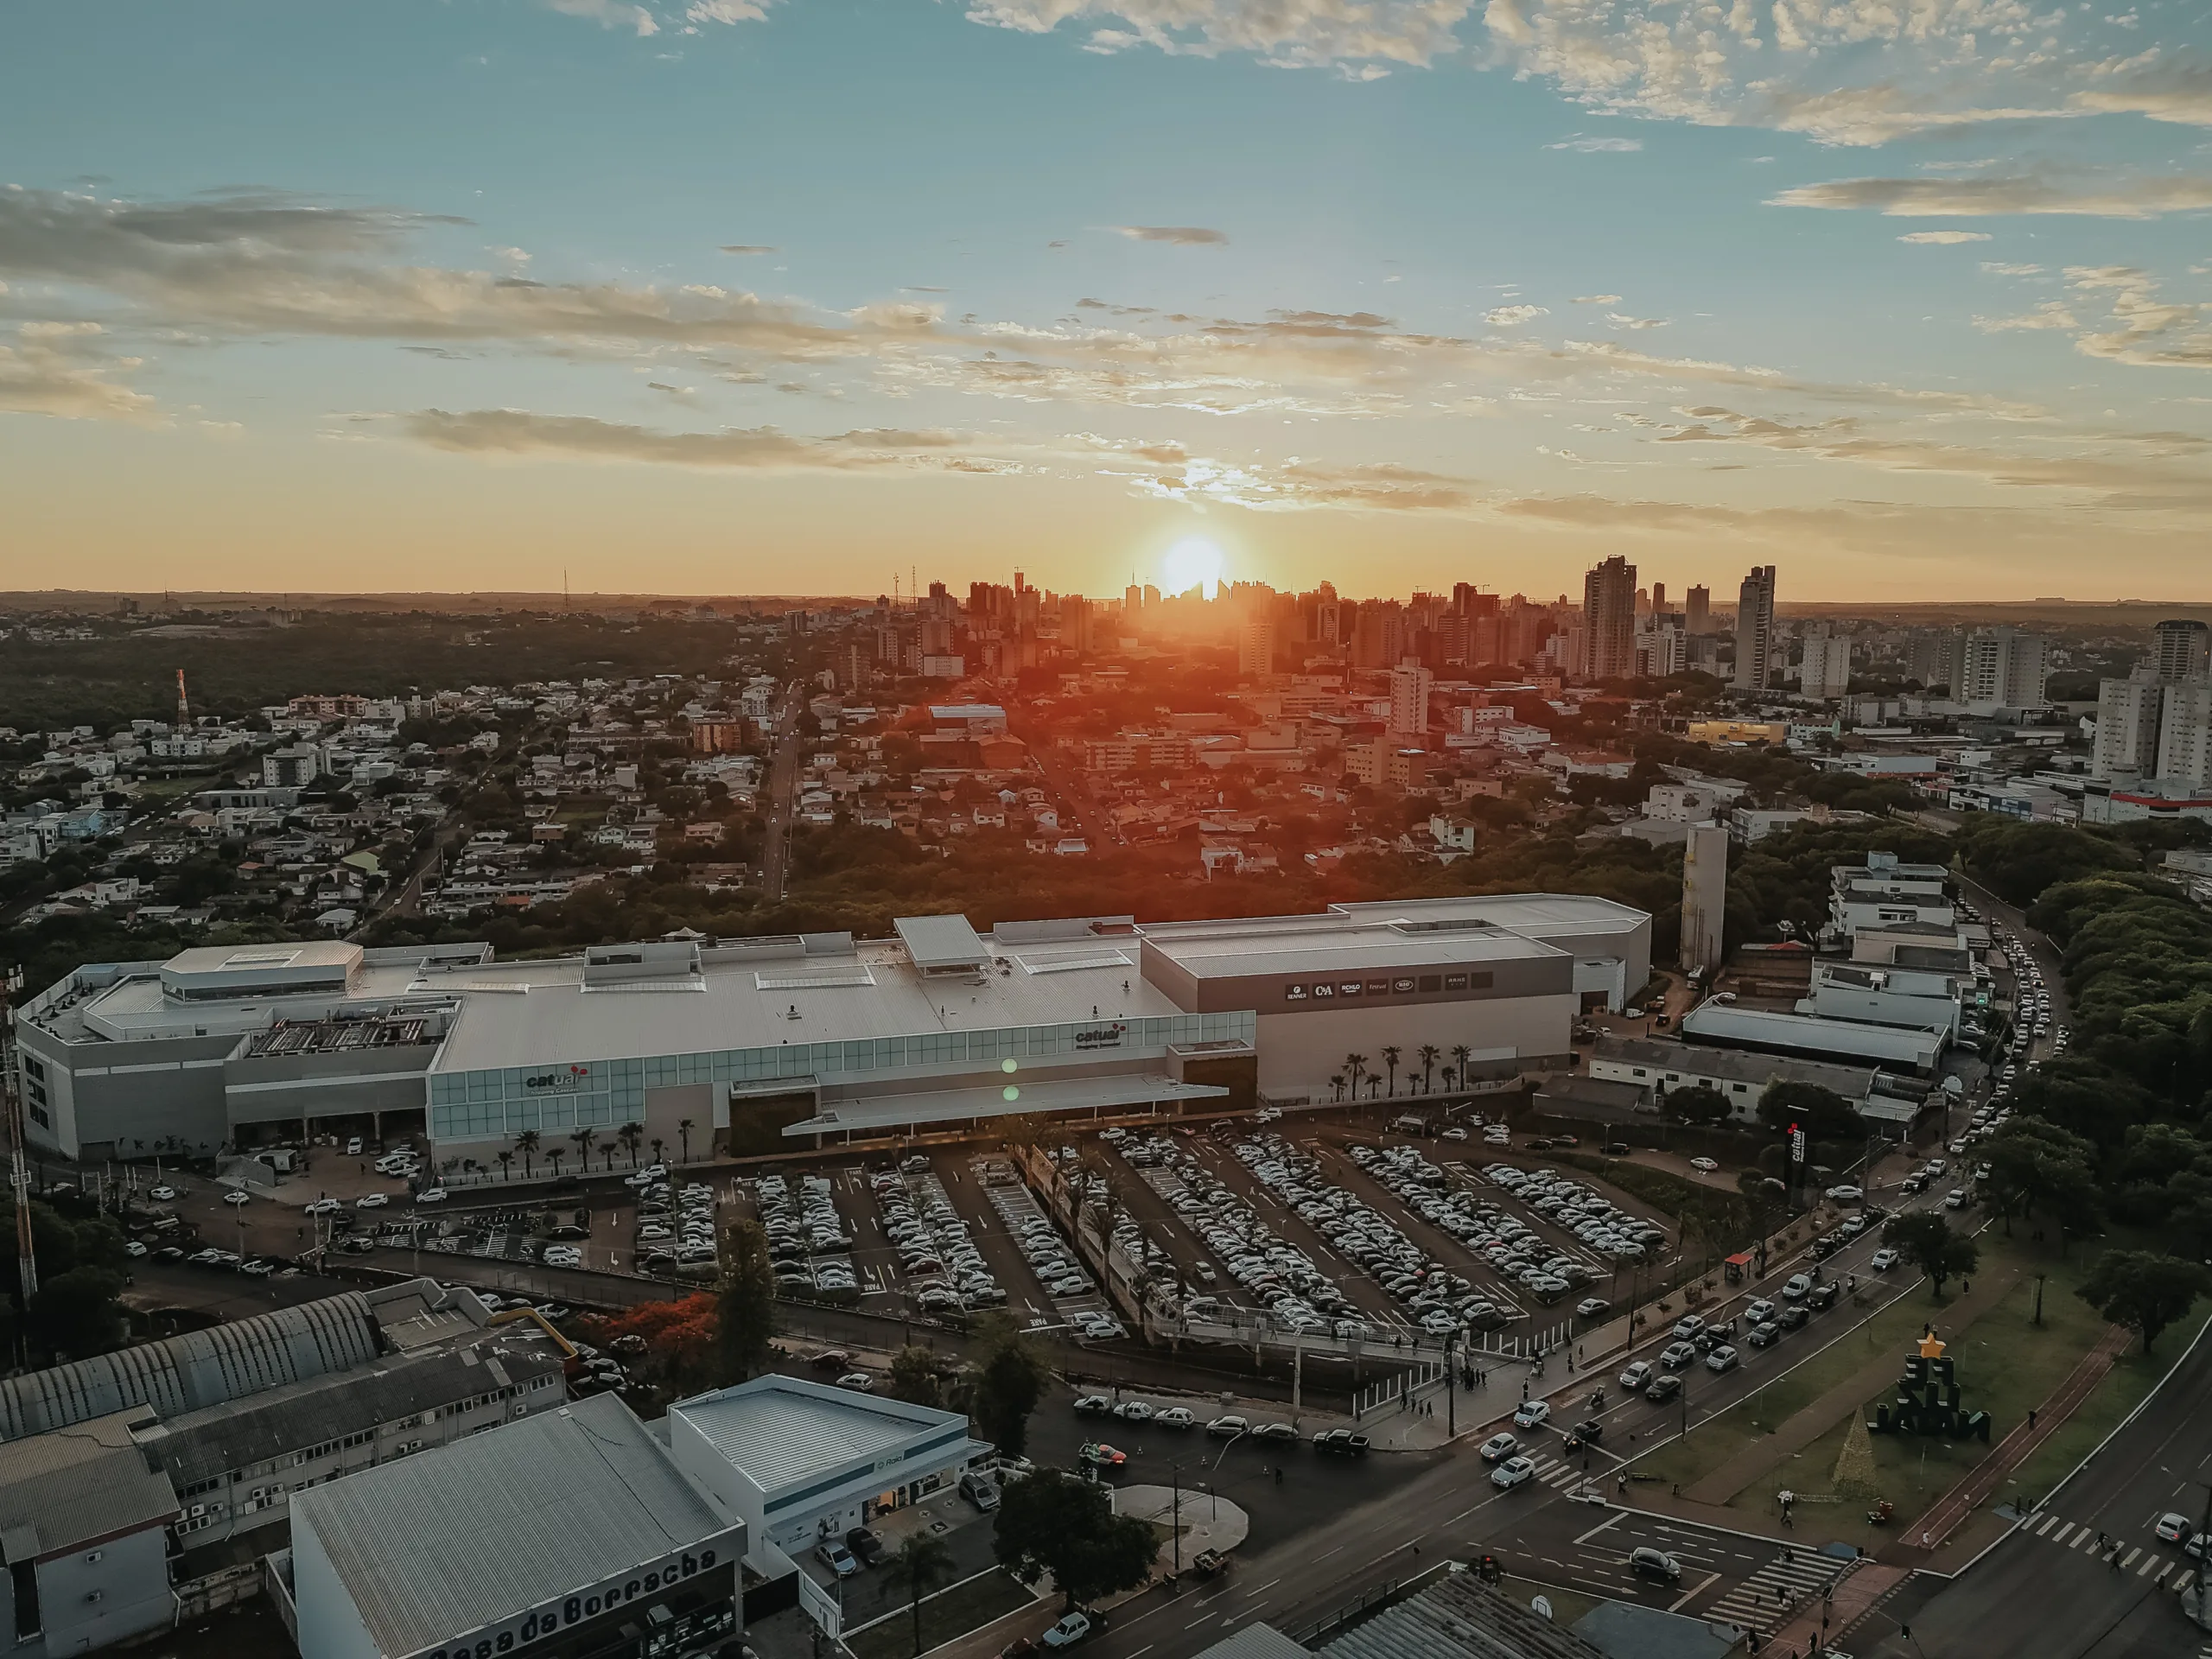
[
  {"x": 2179, "y": 649},
  {"x": 1609, "y": 621},
  {"x": 1825, "y": 670},
  {"x": 1410, "y": 685},
  {"x": 759, "y": 1045},
  {"x": 1697, "y": 611},
  {"x": 1756, "y": 663},
  {"x": 570, "y": 1535},
  {"x": 1704, "y": 897},
  {"x": 2002, "y": 669},
  {"x": 1884, "y": 892}
]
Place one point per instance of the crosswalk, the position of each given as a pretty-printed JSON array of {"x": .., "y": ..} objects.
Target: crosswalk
[
  {"x": 2164, "y": 1568},
  {"x": 1564, "y": 1473},
  {"x": 1761, "y": 1601}
]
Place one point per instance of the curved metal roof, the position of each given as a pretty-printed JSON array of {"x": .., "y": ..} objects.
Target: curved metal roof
[{"x": 200, "y": 1368}]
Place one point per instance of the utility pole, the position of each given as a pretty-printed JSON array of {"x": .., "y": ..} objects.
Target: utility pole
[{"x": 1452, "y": 1387}]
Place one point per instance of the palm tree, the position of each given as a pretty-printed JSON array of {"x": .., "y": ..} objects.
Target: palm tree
[
  {"x": 527, "y": 1143},
  {"x": 1450, "y": 1072},
  {"x": 1429, "y": 1054},
  {"x": 506, "y": 1162},
  {"x": 683, "y": 1131},
  {"x": 1356, "y": 1065},
  {"x": 1374, "y": 1085},
  {"x": 657, "y": 1144},
  {"x": 922, "y": 1561},
  {"x": 554, "y": 1154},
  {"x": 632, "y": 1135},
  {"x": 1461, "y": 1055},
  {"x": 1338, "y": 1083},
  {"x": 1390, "y": 1059},
  {"x": 583, "y": 1139}
]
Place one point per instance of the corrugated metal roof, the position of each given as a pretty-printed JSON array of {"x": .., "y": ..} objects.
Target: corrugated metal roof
[
  {"x": 1458, "y": 1617},
  {"x": 1256, "y": 1642},
  {"x": 444, "y": 1542},
  {"x": 200, "y": 1368},
  {"x": 69, "y": 1488},
  {"x": 781, "y": 1431}
]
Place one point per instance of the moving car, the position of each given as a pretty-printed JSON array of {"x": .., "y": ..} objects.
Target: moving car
[
  {"x": 859, "y": 1381},
  {"x": 1534, "y": 1414},
  {"x": 1588, "y": 1432},
  {"x": 2173, "y": 1528},
  {"x": 1512, "y": 1472},
  {"x": 1798, "y": 1284},
  {"x": 1764, "y": 1334},
  {"x": 1099, "y": 1455},
  {"x": 1635, "y": 1376},
  {"x": 1662, "y": 1389},
  {"x": 1722, "y": 1359},
  {"x": 1704, "y": 1165},
  {"x": 1072, "y": 1629},
  {"x": 1591, "y": 1306},
  {"x": 373, "y": 1201},
  {"x": 1648, "y": 1563},
  {"x": 1498, "y": 1447},
  {"x": 237, "y": 1198},
  {"x": 1884, "y": 1259},
  {"x": 1342, "y": 1440},
  {"x": 1678, "y": 1355}
]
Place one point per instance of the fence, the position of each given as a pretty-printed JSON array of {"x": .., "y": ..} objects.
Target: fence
[
  {"x": 1405, "y": 1382},
  {"x": 1370, "y": 1601}
]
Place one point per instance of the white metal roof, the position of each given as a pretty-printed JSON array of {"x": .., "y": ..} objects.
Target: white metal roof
[
  {"x": 782, "y": 1431},
  {"x": 936, "y": 942},
  {"x": 1809, "y": 1034}
]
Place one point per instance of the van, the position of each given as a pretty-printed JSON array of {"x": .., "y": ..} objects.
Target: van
[{"x": 1410, "y": 1126}]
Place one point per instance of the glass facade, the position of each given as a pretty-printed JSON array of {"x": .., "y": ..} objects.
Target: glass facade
[{"x": 553, "y": 1099}]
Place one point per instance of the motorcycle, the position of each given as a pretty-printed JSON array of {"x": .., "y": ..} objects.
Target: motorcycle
[{"x": 1881, "y": 1514}]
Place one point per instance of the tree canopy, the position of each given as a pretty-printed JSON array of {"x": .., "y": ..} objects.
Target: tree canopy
[
  {"x": 1053, "y": 1522},
  {"x": 2144, "y": 1290}
]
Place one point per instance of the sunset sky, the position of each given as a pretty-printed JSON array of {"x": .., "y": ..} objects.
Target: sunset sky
[{"x": 1911, "y": 297}]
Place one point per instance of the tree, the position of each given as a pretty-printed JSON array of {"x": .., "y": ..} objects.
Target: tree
[
  {"x": 1461, "y": 1055},
  {"x": 745, "y": 1307},
  {"x": 527, "y": 1143},
  {"x": 684, "y": 1134},
  {"x": 583, "y": 1139},
  {"x": 78, "y": 1313},
  {"x": 632, "y": 1135},
  {"x": 1700, "y": 1104},
  {"x": 1053, "y": 1522},
  {"x": 1337, "y": 1083},
  {"x": 923, "y": 1562},
  {"x": 1390, "y": 1059},
  {"x": 913, "y": 1377},
  {"x": 507, "y": 1163},
  {"x": 1821, "y": 1113},
  {"x": 2143, "y": 1290},
  {"x": 1010, "y": 1382},
  {"x": 1930, "y": 1243},
  {"x": 1428, "y": 1054},
  {"x": 1355, "y": 1068},
  {"x": 2036, "y": 1168}
]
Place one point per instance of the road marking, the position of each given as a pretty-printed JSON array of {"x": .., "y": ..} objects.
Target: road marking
[
  {"x": 2049, "y": 1521},
  {"x": 2150, "y": 1561},
  {"x": 1326, "y": 1553},
  {"x": 1268, "y": 1586},
  {"x": 2181, "y": 1579},
  {"x": 2132, "y": 1554},
  {"x": 1610, "y": 1520},
  {"x": 1203, "y": 1618},
  {"x": 1699, "y": 1589},
  {"x": 2060, "y": 1537}
]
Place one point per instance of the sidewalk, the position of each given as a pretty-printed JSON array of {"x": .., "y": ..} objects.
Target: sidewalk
[{"x": 1851, "y": 1598}]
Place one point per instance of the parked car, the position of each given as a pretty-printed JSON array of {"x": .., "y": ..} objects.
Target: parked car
[
  {"x": 1072, "y": 1630},
  {"x": 867, "y": 1548},
  {"x": 835, "y": 1556},
  {"x": 1134, "y": 1411},
  {"x": 1093, "y": 1405},
  {"x": 1173, "y": 1417},
  {"x": 859, "y": 1381},
  {"x": 1228, "y": 1426},
  {"x": 1274, "y": 1432},
  {"x": 980, "y": 1489},
  {"x": 1342, "y": 1440}
]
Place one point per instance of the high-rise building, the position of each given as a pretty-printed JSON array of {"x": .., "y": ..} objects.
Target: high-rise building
[
  {"x": 1697, "y": 611},
  {"x": 1609, "y": 621},
  {"x": 1756, "y": 663},
  {"x": 1825, "y": 670},
  {"x": 2185, "y": 733},
  {"x": 1256, "y": 647},
  {"x": 2002, "y": 668},
  {"x": 2127, "y": 727},
  {"x": 1661, "y": 652},
  {"x": 1133, "y": 599},
  {"x": 1658, "y": 597},
  {"x": 1704, "y": 897},
  {"x": 1411, "y": 684},
  {"x": 2182, "y": 650}
]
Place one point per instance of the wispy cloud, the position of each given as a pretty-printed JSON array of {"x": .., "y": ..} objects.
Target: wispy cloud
[
  {"x": 1590, "y": 145},
  {"x": 1187, "y": 236},
  {"x": 62, "y": 369},
  {"x": 2138, "y": 197},
  {"x": 1944, "y": 239},
  {"x": 748, "y": 250},
  {"x": 1512, "y": 316},
  {"x": 610, "y": 13}
]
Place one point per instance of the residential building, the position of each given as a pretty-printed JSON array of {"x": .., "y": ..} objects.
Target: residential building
[
  {"x": 294, "y": 767},
  {"x": 1608, "y": 619},
  {"x": 2126, "y": 742},
  {"x": 1410, "y": 686},
  {"x": 2002, "y": 669},
  {"x": 1757, "y": 662},
  {"x": 1697, "y": 611},
  {"x": 1825, "y": 670},
  {"x": 2186, "y": 734},
  {"x": 2180, "y": 649},
  {"x": 1256, "y": 647}
]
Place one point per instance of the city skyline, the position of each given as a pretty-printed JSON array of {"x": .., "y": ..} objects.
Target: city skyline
[{"x": 670, "y": 299}]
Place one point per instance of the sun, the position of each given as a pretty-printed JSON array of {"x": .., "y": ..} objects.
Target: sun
[{"x": 1193, "y": 561}]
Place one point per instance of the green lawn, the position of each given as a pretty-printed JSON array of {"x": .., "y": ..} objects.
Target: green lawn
[
  {"x": 947, "y": 1614},
  {"x": 2123, "y": 1389}
]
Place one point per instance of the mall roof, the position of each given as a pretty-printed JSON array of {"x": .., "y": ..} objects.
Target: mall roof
[
  {"x": 447, "y": 1541},
  {"x": 937, "y": 942}
]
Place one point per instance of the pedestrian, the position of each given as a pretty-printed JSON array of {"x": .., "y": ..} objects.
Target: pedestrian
[
  {"x": 2031, "y": 1416},
  {"x": 1524, "y": 1390},
  {"x": 1965, "y": 1287}
]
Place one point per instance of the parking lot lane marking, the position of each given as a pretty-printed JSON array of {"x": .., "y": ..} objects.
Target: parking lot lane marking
[
  {"x": 1611, "y": 1519},
  {"x": 1704, "y": 1585},
  {"x": 1262, "y": 1589}
]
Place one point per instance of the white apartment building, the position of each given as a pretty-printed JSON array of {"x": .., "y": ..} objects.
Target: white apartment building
[
  {"x": 1825, "y": 672},
  {"x": 1755, "y": 642},
  {"x": 1410, "y": 685},
  {"x": 2003, "y": 668}
]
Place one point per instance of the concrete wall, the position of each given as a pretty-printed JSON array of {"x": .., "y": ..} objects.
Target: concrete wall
[
  {"x": 129, "y": 1575},
  {"x": 1298, "y": 1052},
  {"x": 330, "y": 1626},
  {"x": 131, "y": 1095},
  {"x": 284, "y": 1088}
]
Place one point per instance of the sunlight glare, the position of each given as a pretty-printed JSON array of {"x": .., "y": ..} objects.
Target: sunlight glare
[{"x": 1193, "y": 561}]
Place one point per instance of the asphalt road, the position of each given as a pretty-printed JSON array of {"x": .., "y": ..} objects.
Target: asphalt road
[
  {"x": 2048, "y": 1589},
  {"x": 783, "y": 792}
]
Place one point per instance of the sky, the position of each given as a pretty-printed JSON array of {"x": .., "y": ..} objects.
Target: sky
[{"x": 1911, "y": 298}]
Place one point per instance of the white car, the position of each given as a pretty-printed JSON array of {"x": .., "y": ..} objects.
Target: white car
[
  {"x": 1635, "y": 1376},
  {"x": 1069, "y": 1631},
  {"x": 132, "y": 1246},
  {"x": 1228, "y": 1426},
  {"x": 1175, "y": 1417},
  {"x": 162, "y": 1194},
  {"x": 237, "y": 1198},
  {"x": 1533, "y": 1414},
  {"x": 1512, "y": 1472},
  {"x": 373, "y": 1201},
  {"x": 1884, "y": 1259},
  {"x": 431, "y": 1195},
  {"x": 1498, "y": 1447},
  {"x": 1800, "y": 1287},
  {"x": 323, "y": 1207},
  {"x": 1704, "y": 1166},
  {"x": 1134, "y": 1411}
]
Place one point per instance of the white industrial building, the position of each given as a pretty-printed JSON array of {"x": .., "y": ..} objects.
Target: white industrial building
[
  {"x": 1723, "y": 1023},
  {"x": 1884, "y": 893},
  {"x": 761, "y": 1044},
  {"x": 1742, "y": 1079},
  {"x": 1919, "y": 999}
]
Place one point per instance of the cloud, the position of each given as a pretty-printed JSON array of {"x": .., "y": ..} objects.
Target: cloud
[
  {"x": 1995, "y": 268},
  {"x": 1620, "y": 322},
  {"x": 610, "y": 13},
  {"x": 1597, "y": 299},
  {"x": 1512, "y": 316},
  {"x": 1944, "y": 239},
  {"x": 271, "y": 265},
  {"x": 1591, "y": 146},
  {"x": 727, "y": 11},
  {"x": 58, "y": 369},
  {"x": 748, "y": 249},
  {"x": 2051, "y": 314},
  {"x": 1288, "y": 34},
  {"x": 2142, "y": 329},
  {"x": 2138, "y": 197},
  {"x": 518, "y": 434},
  {"x": 1189, "y": 235}
]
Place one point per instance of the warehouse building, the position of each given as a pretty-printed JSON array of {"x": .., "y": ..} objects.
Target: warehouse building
[
  {"x": 789, "y": 1041},
  {"x": 567, "y": 1534}
]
